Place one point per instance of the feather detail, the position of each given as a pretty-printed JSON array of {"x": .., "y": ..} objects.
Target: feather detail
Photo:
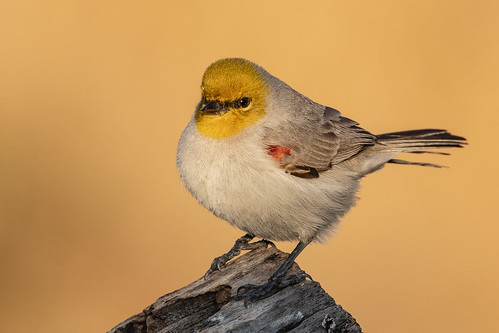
[{"x": 278, "y": 152}]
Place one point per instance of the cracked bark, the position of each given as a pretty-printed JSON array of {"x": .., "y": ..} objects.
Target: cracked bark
[{"x": 205, "y": 305}]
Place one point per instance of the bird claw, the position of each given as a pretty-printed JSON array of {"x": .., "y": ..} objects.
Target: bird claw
[
  {"x": 241, "y": 244},
  {"x": 216, "y": 265},
  {"x": 251, "y": 292},
  {"x": 262, "y": 243}
]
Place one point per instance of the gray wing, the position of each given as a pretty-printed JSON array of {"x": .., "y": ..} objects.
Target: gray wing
[
  {"x": 327, "y": 141},
  {"x": 352, "y": 138}
]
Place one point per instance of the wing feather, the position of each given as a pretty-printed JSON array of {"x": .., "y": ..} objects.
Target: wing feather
[{"x": 320, "y": 143}]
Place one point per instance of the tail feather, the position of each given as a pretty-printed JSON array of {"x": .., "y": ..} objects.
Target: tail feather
[
  {"x": 410, "y": 144},
  {"x": 418, "y": 141},
  {"x": 421, "y": 134},
  {"x": 397, "y": 161},
  {"x": 428, "y": 152}
]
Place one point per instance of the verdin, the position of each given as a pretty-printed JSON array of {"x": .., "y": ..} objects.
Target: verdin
[{"x": 278, "y": 165}]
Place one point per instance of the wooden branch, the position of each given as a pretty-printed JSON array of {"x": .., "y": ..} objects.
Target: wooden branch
[{"x": 205, "y": 305}]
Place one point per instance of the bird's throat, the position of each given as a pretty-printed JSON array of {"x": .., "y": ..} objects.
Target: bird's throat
[{"x": 227, "y": 124}]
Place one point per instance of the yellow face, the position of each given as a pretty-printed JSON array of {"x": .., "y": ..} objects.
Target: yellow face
[{"x": 233, "y": 97}]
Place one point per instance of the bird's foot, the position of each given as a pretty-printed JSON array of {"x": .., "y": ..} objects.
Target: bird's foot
[
  {"x": 240, "y": 245},
  {"x": 252, "y": 292}
]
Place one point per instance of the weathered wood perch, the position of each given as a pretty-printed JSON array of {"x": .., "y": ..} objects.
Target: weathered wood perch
[{"x": 205, "y": 305}]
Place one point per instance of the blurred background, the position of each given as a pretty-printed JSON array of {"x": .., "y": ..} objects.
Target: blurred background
[{"x": 95, "y": 224}]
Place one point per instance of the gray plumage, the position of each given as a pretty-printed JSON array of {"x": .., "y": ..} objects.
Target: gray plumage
[{"x": 320, "y": 137}]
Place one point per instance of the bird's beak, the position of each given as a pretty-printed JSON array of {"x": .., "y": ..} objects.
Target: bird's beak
[{"x": 214, "y": 107}]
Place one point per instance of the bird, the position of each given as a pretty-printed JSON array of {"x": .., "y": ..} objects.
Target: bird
[{"x": 279, "y": 166}]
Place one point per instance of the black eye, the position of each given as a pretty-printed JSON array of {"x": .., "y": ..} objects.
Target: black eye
[{"x": 243, "y": 102}]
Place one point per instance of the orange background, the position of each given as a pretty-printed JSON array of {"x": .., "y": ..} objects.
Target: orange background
[{"x": 95, "y": 224}]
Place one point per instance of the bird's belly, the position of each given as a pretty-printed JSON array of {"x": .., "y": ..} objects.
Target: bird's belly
[{"x": 244, "y": 186}]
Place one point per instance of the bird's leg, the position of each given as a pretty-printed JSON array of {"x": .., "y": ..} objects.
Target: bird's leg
[
  {"x": 242, "y": 243},
  {"x": 250, "y": 292}
]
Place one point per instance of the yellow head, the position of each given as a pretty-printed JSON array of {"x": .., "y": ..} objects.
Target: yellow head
[{"x": 233, "y": 97}]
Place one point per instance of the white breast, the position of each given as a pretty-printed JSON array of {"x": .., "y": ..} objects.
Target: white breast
[{"x": 239, "y": 182}]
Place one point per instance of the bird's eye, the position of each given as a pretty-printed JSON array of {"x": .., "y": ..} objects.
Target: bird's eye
[{"x": 243, "y": 102}]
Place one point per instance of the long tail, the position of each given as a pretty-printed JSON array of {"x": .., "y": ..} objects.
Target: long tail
[{"x": 419, "y": 141}]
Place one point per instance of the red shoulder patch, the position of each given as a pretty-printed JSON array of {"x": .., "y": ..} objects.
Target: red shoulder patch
[{"x": 278, "y": 152}]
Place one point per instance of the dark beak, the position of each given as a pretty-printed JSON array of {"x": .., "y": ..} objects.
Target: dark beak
[{"x": 214, "y": 107}]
